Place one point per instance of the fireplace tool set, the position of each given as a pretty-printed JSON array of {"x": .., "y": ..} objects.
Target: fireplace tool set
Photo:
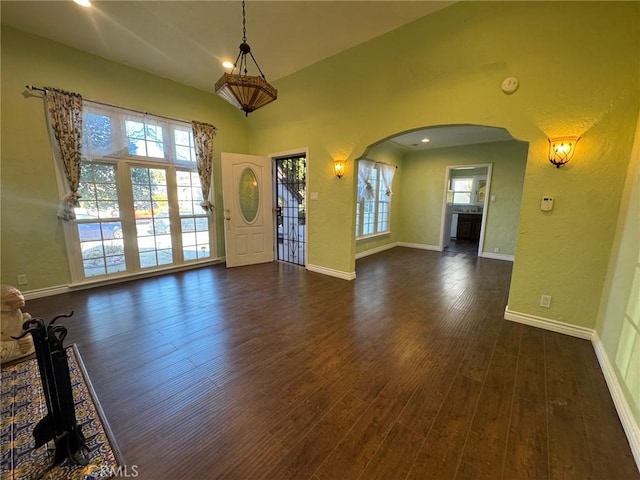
[{"x": 60, "y": 423}]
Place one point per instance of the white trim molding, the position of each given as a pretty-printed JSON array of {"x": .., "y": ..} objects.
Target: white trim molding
[
  {"x": 100, "y": 282},
  {"x": 331, "y": 272},
  {"x": 548, "y": 324},
  {"x": 373, "y": 251},
  {"x": 498, "y": 256},
  {"x": 631, "y": 428},
  {"x": 46, "y": 292},
  {"x": 421, "y": 246}
]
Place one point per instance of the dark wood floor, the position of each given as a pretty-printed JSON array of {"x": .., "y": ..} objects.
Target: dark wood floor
[
  {"x": 408, "y": 372},
  {"x": 467, "y": 247}
]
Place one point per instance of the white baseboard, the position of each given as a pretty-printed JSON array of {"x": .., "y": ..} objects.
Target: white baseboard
[
  {"x": 100, "y": 282},
  {"x": 421, "y": 246},
  {"x": 45, "y": 292},
  {"x": 379, "y": 249},
  {"x": 548, "y": 324},
  {"x": 631, "y": 428},
  {"x": 331, "y": 272},
  {"x": 498, "y": 256}
]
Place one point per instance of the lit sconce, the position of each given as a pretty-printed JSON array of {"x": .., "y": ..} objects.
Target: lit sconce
[
  {"x": 561, "y": 149},
  {"x": 338, "y": 167}
]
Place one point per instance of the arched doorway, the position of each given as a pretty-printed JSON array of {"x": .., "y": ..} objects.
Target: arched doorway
[{"x": 423, "y": 201}]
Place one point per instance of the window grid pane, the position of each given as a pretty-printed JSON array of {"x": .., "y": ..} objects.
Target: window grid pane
[
  {"x": 462, "y": 188},
  {"x": 144, "y": 139},
  {"x": 185, "y": 150},
  {"x": 152, "y": 216},
  {"x": 193, "y": 219},
  {"x": 372, "y": 215},
  {"x": 101, "y": 247}
]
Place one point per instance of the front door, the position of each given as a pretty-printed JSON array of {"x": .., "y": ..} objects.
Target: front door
[{"x": 248, "y": 211}]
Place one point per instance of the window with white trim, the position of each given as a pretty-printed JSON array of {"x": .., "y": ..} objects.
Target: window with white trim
[
  {"x": 462, "y": 188},
  {"x": 374, "y": 202},
  {"x": 139, "y": 196}
]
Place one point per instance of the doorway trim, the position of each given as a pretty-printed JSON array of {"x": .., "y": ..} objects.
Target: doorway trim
[{"x": 443, "y": 220}]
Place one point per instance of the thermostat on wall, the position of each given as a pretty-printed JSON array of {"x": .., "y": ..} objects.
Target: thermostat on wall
[{"x": 547, "y": 204}]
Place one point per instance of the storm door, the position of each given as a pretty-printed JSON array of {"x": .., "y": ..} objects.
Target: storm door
[{"x": 291, "y": 210}]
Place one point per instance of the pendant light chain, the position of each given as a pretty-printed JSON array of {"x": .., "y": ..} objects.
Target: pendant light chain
[
  {"x": 244, "y": 24},
  {"x": 242, "y": 90}
]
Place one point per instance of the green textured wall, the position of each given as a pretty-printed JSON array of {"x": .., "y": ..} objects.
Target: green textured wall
[
  {"x": 423, "y": 191},
  {"x": 32, "y": 241},
  {"x": 447, "y": 68},
  {"x": 443, "y": 69},
  {"x": 619, "y": 320}
]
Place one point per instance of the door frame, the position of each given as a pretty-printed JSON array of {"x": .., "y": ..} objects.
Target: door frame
[
  {"x": 485, "y": 205},
  {"x": 286, "y": 154}
]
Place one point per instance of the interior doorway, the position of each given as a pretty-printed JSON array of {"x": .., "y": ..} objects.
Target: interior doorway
[
  {"x": 291, "y": 208},
  {"x": 464, "y": 213}
]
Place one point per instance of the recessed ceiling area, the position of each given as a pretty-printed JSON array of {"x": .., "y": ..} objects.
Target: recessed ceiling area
[{"x": 449, "y": 136}]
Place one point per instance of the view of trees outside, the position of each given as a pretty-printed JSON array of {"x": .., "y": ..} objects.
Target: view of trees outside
[
  {"x": 291, "y": 187},
  {"x": 194, "y": 221},
  {"x": 101, "y": 243},
  {"x": 151, "y": 206}
]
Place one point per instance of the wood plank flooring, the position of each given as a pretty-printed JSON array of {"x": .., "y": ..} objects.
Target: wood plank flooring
[{"x": 408, "y": 372}]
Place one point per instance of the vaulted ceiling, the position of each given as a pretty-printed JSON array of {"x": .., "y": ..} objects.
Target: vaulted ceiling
[{"x": 187, "y": 41}]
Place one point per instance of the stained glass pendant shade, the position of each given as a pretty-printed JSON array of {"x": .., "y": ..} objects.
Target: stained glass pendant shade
[{"x": 246, "y": 92}]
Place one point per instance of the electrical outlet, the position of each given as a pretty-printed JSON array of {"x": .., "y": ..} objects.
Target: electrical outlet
[
  {"x": 496, "y": 250},
  {"x": 545, "y": 301},
  {"x": 22, "y": 279}
]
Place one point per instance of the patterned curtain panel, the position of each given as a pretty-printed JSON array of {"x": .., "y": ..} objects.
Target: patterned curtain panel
[
  {"x": 203, "y": 134},
  {"x": 65, "y": 118}
]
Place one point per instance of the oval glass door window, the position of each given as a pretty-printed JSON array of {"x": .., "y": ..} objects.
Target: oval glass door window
[{"x": 248, "y": 195}]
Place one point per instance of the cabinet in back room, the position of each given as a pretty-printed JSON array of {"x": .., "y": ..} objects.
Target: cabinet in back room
[{"x": 469, "y": 225}]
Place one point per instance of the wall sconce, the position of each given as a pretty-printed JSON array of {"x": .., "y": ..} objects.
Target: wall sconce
[
  {"x": 561, "y": 149},
  {"x": 338, "y": 167}
]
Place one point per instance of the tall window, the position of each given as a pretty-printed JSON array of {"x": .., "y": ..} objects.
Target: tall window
[
  {"x": 140, "y": 196},
  {"x": 374, "y": 200}
]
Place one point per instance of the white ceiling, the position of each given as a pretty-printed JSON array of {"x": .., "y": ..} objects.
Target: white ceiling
[
  {"x": 187, "y": 41},
  {"x": 448, "y": 136}
]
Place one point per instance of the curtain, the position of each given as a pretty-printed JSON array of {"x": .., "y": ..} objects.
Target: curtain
[
  {"x": 203, "y": 134},
  {"x": 65, "y": 118},
  {"x": 365, "y": 189},
  {"x": 387, "y": 172}
]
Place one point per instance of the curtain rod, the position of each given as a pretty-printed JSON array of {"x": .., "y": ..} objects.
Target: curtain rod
[
  {"x": 382, "y": 163},
  {"x": 41, "y": 89}
]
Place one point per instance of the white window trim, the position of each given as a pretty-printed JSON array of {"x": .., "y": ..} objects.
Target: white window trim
[{"x": 70, "y": 232}]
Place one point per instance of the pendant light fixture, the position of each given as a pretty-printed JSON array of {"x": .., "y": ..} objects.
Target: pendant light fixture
[{"x": 246, "y": 92}]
